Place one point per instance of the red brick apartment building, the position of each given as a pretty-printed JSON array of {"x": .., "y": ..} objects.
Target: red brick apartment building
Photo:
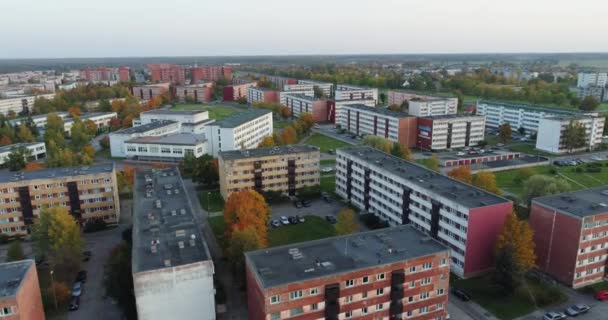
[
  {"x": 105, "y": 74},
  {"x": 259, "y": 94},
  {"x": 299, "y": 104},
  {"x": 393, "y": 273},
  {"x": 236, "y": 91},
  {"x": 209, "y": 73},
  {"x": 571, "y": 235},
  {"x": 167, "y": 73},
  {"x": 201, "y": 92},
  {"x": 20, "y": 297},
  {"x": 149, "y": 91}
]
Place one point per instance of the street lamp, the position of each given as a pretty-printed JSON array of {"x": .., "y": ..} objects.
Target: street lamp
[
  {"x": 53, "y": 285},
  {"x": 208, "y": 204}
]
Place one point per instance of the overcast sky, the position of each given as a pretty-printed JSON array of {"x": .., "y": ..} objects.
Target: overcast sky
[{"x": 118, "y": 28}]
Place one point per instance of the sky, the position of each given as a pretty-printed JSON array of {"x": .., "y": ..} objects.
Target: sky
[{"x": 141, "y": 28}]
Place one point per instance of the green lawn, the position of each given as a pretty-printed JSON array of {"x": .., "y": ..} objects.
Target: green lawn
[
  {"x": 529, "y": 149},
  {"x": 325, "y": 143},
  {"x": 280, "y": 124},
  {"x": 484, "y": 292},
  {"x": 603, "y": 107},
  {"x": 187, "y": 106},
  {"x": 328, "y": 162},
  {"x": 328, "y": 183},
  {"x": 218, "y": 226},
  {"x": 314, "y": 228},
  {"x": 216, "y": 202},
  {"x": 217, "y": 112}
]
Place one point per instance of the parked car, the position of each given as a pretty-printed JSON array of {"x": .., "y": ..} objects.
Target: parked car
[
  {"x": 554, "y": 316},
  {"x": 74, "y": 303},
  {"x": 297, "y": 204},
  {"x": 77, "y": 289},
  {"x": 306, "y": 203},
  {"x": 577, "y": 309},
  {"x": 461, "y": 294},
  {"x": 327, "y": 169},
  {"x": 596, "y": 158},
  {"x": 460, "y": 154},
  {"x": 300, "y": 219},
  {"x": 327, "y": 199},
  {"x": 601, "y": 295},
  {"x": 275, "y": 223},
  {"x": 293, "y": 220},
  {"x": 81, "y": 276},
  {"x": 284, "y": 220},
  {"x": 86, "y": 255},
  {"x": 331, "y": 219}
]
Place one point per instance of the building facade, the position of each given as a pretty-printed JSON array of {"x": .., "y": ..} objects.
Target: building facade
[
  {"x": 466, "y": 219},
  {"x": 171, "y": 264},
  {"x": 552, "y": 133},
  {"x": 88, "y": 192},
  {"x": 105, "y": 75},
  {"x": 242, "y": 131},
  {"x": 171, "y": 73},
  {"x": 102, "y": 121},
  {"x": 173, "y": 147},
  {"x": 595, "y": 79},
  {"x": 200, "y": 92},
  {"x": 20, "y": 297},
  {"x": 150, "y": 91},
  {"x": 37, "y": 151},
  {"x": 393, "y": 273},
  {"x": 451, "y": 131},
  {"x": 299, "y": 104},
  {"x": 237, "y": 91},
  {"x": 571, "y": 235},
  {"x": 423, "y": 105},
  {"x": 209, "y": 73},
  {"x": 21, "y": 104},
  {"x": 282, "y": 168},
  {"x": 326, "y": 87},
  {"x": 348, "y": 92},
  {"x": 153, "y": 129},
  {"x": 259, "y": 94},
  {"x": 191, "y": 121}
]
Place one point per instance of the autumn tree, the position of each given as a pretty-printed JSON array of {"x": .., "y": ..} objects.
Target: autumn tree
[
  {"x": 505, "y": 132},
  {"x": 541, "y": 185},
  {"x": 205, "y": 170},
  {"x": 91, "y": 127},
  {"x": 523, "y": 174},
  {"x": 462, "y": 173},
  {"x": 432, "y": 163},
  {"x": 285, "y": 112},
  {"x": 289, "y": 135},
  {"x": 318, "y": 92},
  {"x": 89, "y": 151},
  {"x": 125, "y": 178},
  {"x": 57, "y": 290},
  {"x": 15, "y": 252},
  {"x": 307, "y": 121},
  {"x": 377, "y": 142},
  {"x": 394, "y": 107},
  {"x": 24, "y": 134},
  {"x": 346, "y": 222},
  {"x": 589, "y": 103},
  {"x": 247, "y": 209},
  {"x": 54, "y": 130},
  {"x": 267, "y": 142},
  {"x": 401, "y": 151},
  {"x": 33, "y": 166},
  {"x": 5, "y": 140},
  {"x": 486, "y": 180},
  {"x": 242, "y": 240},
  {"x": 74, "y": 111},
  {"x": 17, "y": 159},
  {"x": 79, "y": 135},
  {"x": 574, "y": 136}
]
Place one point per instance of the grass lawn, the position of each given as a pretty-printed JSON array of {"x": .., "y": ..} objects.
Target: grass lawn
[
  {"x": 328, "y": 183},
  {"x": 187, "y": 106},
  {"x": 280, "y": 124},
  {"x": 325, "y": 143},
  {"x": 603, "y": 107},
  {"x": 484, "y": 292},
  {"x": 217, "y": 112},
  {"x": 592, "y": 289},
  {"x": 529, "y": 149},
  {"x": 314, "y": 228},
  {"x": 328, "y": 162},
  {"x": 217, "y": 225},
  {"x": 216, "y": 202}
]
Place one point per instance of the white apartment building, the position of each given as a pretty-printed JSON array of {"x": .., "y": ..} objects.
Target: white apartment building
[
  {"x": 173, "y": 147},
  {"x": 283, "y": 94},
  {"x": 518, "y": 115},
  {"x": 21, "y": 104},
  {"x": 592, "y": 79},
  {"x": 348, "y": 92},
  {"x": 450, "y": 131},
  {"x": 39, "y": 120},
  {"x": 242, "y": 131},
  {"x": 153, "y": 129},
  {"x": 299, "y": 104},
  {"x": 101, "y": 119},
  {"x": 424, "y": 105},
  {"x": 37, "y": 151},
  {"x": 327, "y": 87},
  {"x": 551, "y": 133},
  {"x": 465, "y": 218},
  {"x": 192, "y": 121}
]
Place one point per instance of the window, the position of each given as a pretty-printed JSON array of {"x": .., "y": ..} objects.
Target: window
[
  {"x": 348, "y": 299},
  {"x": 424, "y": 309},
  {"x": 314, "y": 291},
  {"x": 296, "y": 311},
  {"x": 295, "y": 295},
  {"x": 413, "y": 269},
  {"x": 379, "y": 306},
  {"x": 314, "y": 306},
  {"x": 412, "y": 283},
  {"x": 350, "y": 283},
  {"x": 348, "y": 314},
  {"x": 275, "y": 299},
  {"x": 425, "y": 281},
  {"x": 410, "y": 299},
  {"x": 439, "y": 306},
  {"x": 365, "y": 279},
  {"x": 379, "y": 291},
  {"x": 364, "y": 310},
  {"x": 427, "y": 266},
  {"x": 7, "y": 311},
  {"x": 439, "y": 292},
  {"x": 275, "y": 316},
  {"x": 364, "y": 295},
  {"x": 424, "y": 295},
  {"x": 410, "y": 313},
  {"x": 380, "y": 276}
]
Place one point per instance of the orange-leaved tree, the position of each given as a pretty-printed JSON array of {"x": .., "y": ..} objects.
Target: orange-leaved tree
[
  {"x": 486, "y": 180},
  {"x": 289, "y": 135},
  {"x": 268, "y": 141},
  {"x": 462, "y": 173},
  {"x": 307, "y": 121},
  {"x": 247, "y": 208},
  {"x": 74, "y": 111},
  {"x": 33, "y": 166},
  {"x": 518, "y": 235}
]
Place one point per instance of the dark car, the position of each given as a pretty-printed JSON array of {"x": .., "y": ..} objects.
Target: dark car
[
  {"x": 293, "y": 220},
  {"x": 81, "y": 276},
  {"x": 577, "y": 309},
  {"x": 86, "y": 255},
  {"x": 461, "y": 294},
  {"x": 74, "y": 303},
  {"x": 297, "y": 204},
  {"x": 300, "y": 218},
  {"x": 77, "y": 289},
  {"x": 558, "y": 163},
  {"x": 306, "y": 203},
  {"x": 331, "y": 219},
  {"x": 327, "y": 199},
  {"x": 275, "y": 223}
]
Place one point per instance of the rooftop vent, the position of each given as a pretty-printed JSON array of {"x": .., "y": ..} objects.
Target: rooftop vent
[
  {"x": 180, "y": 244},
  {"x": 167, "y": 263},
  {"x": 173, "y": 212},
  {"x": 309, "y": 270},
  {"x": 180, "y": 233},
  {"x": 182, "y": 211},
  {"x": 266, "y": 272}
]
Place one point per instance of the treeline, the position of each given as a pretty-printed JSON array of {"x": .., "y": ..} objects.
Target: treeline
[{"x": 79, "y": 96}]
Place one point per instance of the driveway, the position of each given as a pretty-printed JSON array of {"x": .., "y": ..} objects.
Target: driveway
[
  {"x": 330, "y": 131},
  {"x": 599, "y": 310},
  {"x": 318, "y": 208}
]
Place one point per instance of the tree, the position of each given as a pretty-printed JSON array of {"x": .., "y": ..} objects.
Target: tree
[
  {"x": 462, "y": 173},
  {"x": 377, "y": 142},
  {"x": 79, "y": 135},
  {"x": 433, "y": 163},
  {"x": 242, "y": 240},
  {"x": 91, "y": 127},
  {"x": 89, "y": 151},
  {"x": 117, "y": 282},
  {"x": 521, "y": 130},
  {"x": 5, "y": 140},
  {"x": 506, "y": 274},
  {"x": 346, "y": 222},
  {"x": 17, "y": 159},
  {"x": 74, "y": 111},
  {"x": 318, "y": 92},
  {"x": 395, "y": 107},
  {"x": 382, "y": 97},
  {"x": 574, "y": 136},
  {"x": 401, "y": 151},
  {"x": 540, "y": 185},
  {"x": 267, "y": 142},
  {"x": 289, "y": 135},
  {"x": 205, "y": 170},
  {"x": 15, "y": 252},
  {"x": 504, "y": 132},
  {"x": 307, "y": 122},
  {"x": 285, "y": 112},
  {"x": 247, "y": 209},
  {"x": 33, "y": 166},
  {"x": 24, "y": 134},
  {"x": 518, "y": 235},
  {"x": 486, "y": 180},
  {"x": 54, "y": 130},
  {"x": 523, "y": 174},
  {"x": 589, "y": 103},
  {"x": 57, "y": 290}
]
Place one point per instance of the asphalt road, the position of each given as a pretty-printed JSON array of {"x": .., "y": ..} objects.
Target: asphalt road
[{"x": 330, "y": 131}]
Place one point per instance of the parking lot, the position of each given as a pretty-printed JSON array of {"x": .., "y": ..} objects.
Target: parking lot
[
  {"x": 330, "y": 130},
  {"x": 318, "y": 207}
]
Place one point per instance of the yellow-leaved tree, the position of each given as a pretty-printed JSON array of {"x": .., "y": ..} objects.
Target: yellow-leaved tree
[
  {"x": 346, "y": 222},
  {"x": 486, "y": 180}
]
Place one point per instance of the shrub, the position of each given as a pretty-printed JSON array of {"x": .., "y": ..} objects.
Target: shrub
[
  {"x": 594, "y": 169},
  {"x": 95, "y": 225},
  {"x": 553, "y": 171},
  {"x": 578, "y": 170},
  {"x": 372, "y": 221}
]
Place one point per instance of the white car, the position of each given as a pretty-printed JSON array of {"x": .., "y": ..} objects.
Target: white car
[
  {"x": 577, "y": 309},
  {"x": 460, "y": 154},
  {"x": 284, "y": 220},
  {"x": 596, "y": 158},
  {"x": 554, "y": 316},
  {"x": 328, "y": 169}
]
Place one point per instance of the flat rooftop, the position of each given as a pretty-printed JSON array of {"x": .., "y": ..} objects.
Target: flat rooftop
[
  {"x": 425, "y": 96},
  {"x": 262, "y": 152},
  {"x": 583, "y": 203},
  {"x": 532, "y": 108},
  {"x": 328, "y": 257},
  {"x": 299, "y": 95},
  {"x": 168, "y": 236},
  {"x": 379, "y": 110},
  {"x": 241, "y": 118},
  {"x": 175, "y": 112},
  {"x": 460, "y": 192},
  {"x": 453, "y": 116},
  {"x": 145, "y": 127},
  {"x": 569, "y": 117},
  {"x": 11, "y": 276},
  {"x": 7, "y": 176},
  {"x": 9, "y": 147},
  {"x": 185, "y": 139}
]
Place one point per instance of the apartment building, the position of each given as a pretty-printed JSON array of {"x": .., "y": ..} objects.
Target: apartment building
[
  {"x": 37, "y": 151},
  {"x": 171, "y": 73},
  {"x": 363, "y": 120},
  {"x": 551, "y": 133},
  {"x": 153, "y": 129},
  {"x": 423, "y": 105},
  {"x": 191, "y": 121},
  {"x": 348, "y": 92},
  {"x": 592, "y": 79},
  {"x": 236, "y": 91},
  {"x": 571, "y": 235},
  {"x": 326, "y": 87},
  {"x": 171, "y": 264},
  {"x": 209, "y": 73},
  {"x": 280, "y": 82},
  {"x": 599, "y": 93},
  {"x": 392, "y": 273},
  {"x": 241, "y": 131},
  {"x": 450, "y": 131},
  {"x": 21, "y": 104},
  {"x": 518, "y": 115},
  {"x": 88, "y": 192},
  {"x": 299, "y": 104},
  {"x": 172, "y": 147},
  {"x": 466, "y": 219},
  {"x": 102, "y": 121},
  {"x": 200, "y": 92},
  {"x": 20, "y": 297},
  {"x": 259, "y": 94},
  {"x": 280, "y": 168},
  {"x": 150, "y": 91},
  {"x": 39, "y": 120},
  {"x": 291, "y": 89},
  {"x": 105, "y": 75}
]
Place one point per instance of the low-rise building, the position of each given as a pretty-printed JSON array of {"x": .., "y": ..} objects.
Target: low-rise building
[
  {"x": 466, "y": 219},
  {"x": 20, "y": 297},
  {"x": 299, "y": 104},
  {"x": 259, "y": 94},
  {"x": 571, "y": 235},
  {"x": 235, "y": 92},
  {"x": 242, "y": 131},
  {"x": 378, "y": 121},
  {"x": 150, "y": 91},
  {"x": 423, "y": 105},
  {"x": 37, "y": 151},
  {"x": 450, "y": 131},
  {"x": 200, "y": 92},
  {"x": 305, "y": 90},
  {"x": 209, "y": 73},
  {"x": 348, "y": 92},
  {"x": 21, "y": 104},
  {"x": 172, "y": 147},
  {"x": 102, "y": 121},
  {"x": 171, "y": 264},
  {"x": 88, "y": 192},
  {"x": 191, "y": 121},
  {"x": 105, "y": 75},
  {"x": 552, "y": 138},
  {"x": 282, "y": 168},
  {"x": 392, "y": 273},
  {"x": 153, "y": 129}
]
